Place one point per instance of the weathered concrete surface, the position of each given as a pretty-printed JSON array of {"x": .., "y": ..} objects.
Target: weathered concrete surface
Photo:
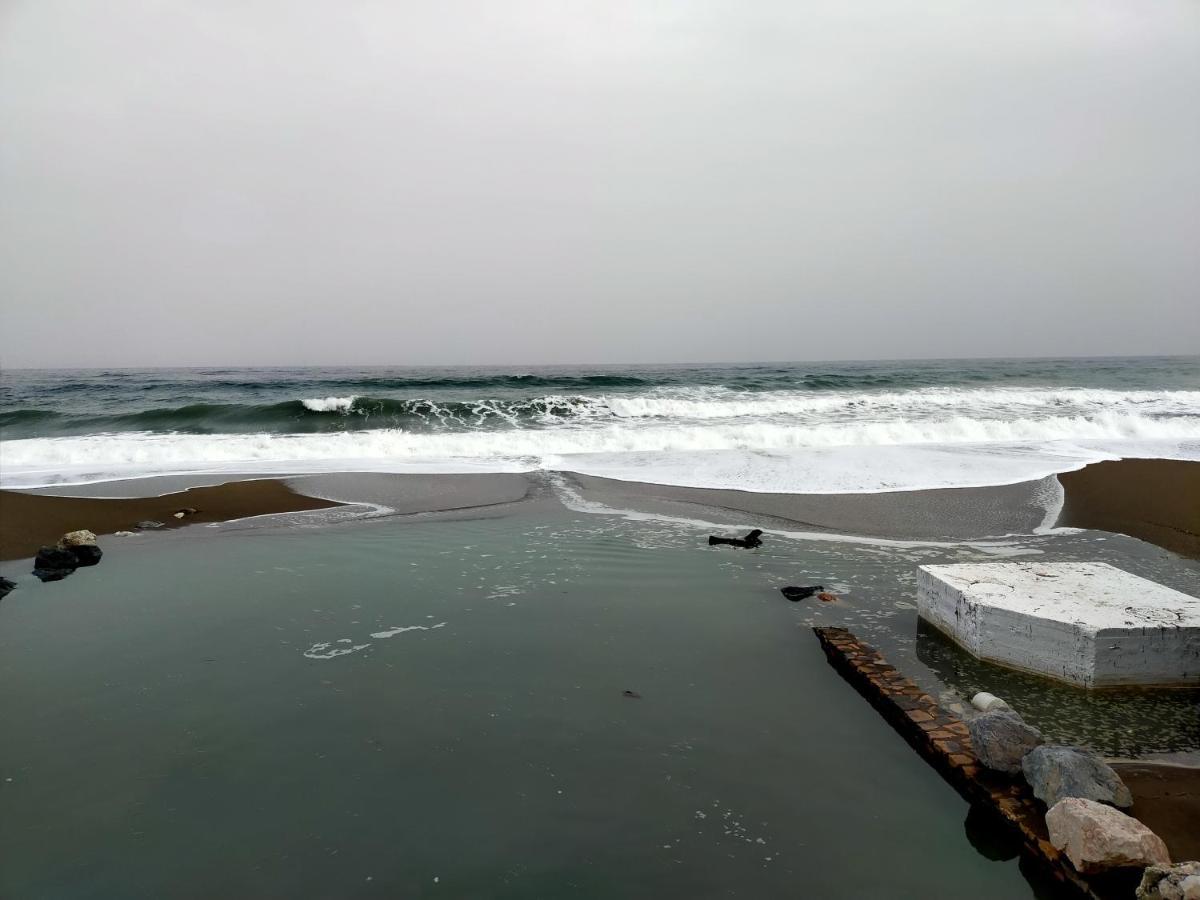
[{"x": 1089, "y": 624}]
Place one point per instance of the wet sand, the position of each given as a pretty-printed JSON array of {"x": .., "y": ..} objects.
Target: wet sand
[
  {"x": 1156, "y": 500},
  {"x": 1167, "y": 799},
  {"x": 28, "y": 520},
  {"x": 417, "y": 493},
  {"x": 949, "y": 513}
]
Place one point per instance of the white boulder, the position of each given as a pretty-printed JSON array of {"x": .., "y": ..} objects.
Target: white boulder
[{"x": 1097, "y": 837}]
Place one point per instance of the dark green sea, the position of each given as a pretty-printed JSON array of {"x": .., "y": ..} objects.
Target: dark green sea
[{"x": 811, "y": 427}]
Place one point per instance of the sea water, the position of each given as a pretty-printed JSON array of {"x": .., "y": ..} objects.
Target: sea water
[
  {"x": 820, "y": 427},
  {"x": 416, "y": 707}
]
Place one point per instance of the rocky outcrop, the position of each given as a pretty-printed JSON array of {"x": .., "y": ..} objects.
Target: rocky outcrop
[
  {"x": 53, "y": 564},
  {"x": 1002, "y": 739},
  {"x": 1178, "y": 882},
  {"x": 83, "y": 545},
  {"x": 1097, "y": 837},
  {"x": 1056, "y": 773},
  {"x": 73, "y": 550}
]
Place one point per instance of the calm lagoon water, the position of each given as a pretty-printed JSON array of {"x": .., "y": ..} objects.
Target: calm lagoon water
[{"x": 237, "y": 711}]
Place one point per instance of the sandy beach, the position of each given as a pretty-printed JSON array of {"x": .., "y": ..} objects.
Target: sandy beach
[
  {"x": 29, "y": 520},
  {"x": 1157, "y": 500}
]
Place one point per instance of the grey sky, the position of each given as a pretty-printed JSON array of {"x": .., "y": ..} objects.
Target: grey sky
[{"x": 302, "y": 182}]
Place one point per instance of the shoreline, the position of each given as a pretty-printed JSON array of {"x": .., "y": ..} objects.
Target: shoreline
[{"x": 1154, "y": 500}]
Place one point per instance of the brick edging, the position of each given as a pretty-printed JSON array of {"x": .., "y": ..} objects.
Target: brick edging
[{"x": 942, "y": 739}]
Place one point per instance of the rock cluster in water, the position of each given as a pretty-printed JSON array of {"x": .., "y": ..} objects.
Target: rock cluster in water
[
  {"x": 74, "y": 550},
  {"x": 1082, "y": 793}
]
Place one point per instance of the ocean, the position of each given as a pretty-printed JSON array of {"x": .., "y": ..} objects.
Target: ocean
[{"x": 785, "y": 427}]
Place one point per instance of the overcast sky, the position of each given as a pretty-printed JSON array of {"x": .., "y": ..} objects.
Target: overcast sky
[{"x": 223, "y": 182}]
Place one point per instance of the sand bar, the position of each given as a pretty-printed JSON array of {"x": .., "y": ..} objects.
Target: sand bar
[
  {"x": 1157, "y": 500},
  {"x": 27, "y": 521}
]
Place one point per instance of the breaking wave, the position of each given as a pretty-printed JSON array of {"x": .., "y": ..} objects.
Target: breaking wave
[
  {"x": 878, "y": 426},
  {"x": 895, "y": 409}
]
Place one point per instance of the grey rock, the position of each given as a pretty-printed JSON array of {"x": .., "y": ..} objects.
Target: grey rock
[
  {"x": 1097, "y": 838},
  {"x": 1002, "y": 739},
  {"x": 147, "y": 524},
  {"x": 1178, "y": 882},
  {"x": 1056, "y": 773}
]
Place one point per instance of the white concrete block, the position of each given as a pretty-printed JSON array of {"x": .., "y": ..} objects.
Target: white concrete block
[{"x": 1089, "y": 624}]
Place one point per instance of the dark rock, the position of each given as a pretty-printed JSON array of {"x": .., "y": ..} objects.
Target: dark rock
[
  {"x": 750, "y": 541},
  {"x": 50, "y": 558},
  {"x": 1001, "y": 739},
  {"x": 632, "y": 695},
  {"x": 6, "y": 587},
  {"x": 147, "y": 524},
  {"x": 1056, "y": 773},
  {"x": 796, "y": 594},
  {"x": 52, "y": 574},
  {"x": 87, "y": 555},
  {"x": 186, "y": 511},
  {"x": 53, "y": 564}
]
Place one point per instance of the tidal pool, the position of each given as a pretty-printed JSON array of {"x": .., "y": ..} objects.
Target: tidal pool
[{"x": 438, "y": 708}]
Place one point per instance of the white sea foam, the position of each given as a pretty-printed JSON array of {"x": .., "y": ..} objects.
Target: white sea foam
[
  {"x": 329, "y": 404},
  {"x": 717, "y": 403},
  {"x": 326, "y": 650},
  {"x": 400, "y": 629},
  {"x": 786, "y": 441}
]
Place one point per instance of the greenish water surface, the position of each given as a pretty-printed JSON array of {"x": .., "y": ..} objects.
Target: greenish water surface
[{"x": 238, "y": 713}]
